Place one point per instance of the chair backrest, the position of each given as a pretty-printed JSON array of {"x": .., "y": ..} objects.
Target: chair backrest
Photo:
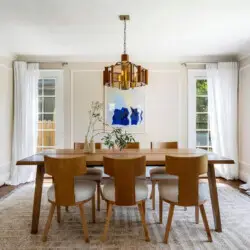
[
  {"x": 187, "y": 168},
  {"x": 124, "y": 170},
  {"x": 131, "y": 145},
  {"x": 173, "y": 144},
  {"x": 80, "y": 145},
  {"x": 63, "y": 170}
]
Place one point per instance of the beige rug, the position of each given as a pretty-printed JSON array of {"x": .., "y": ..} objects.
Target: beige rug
[{"x": 125, "y": 230}]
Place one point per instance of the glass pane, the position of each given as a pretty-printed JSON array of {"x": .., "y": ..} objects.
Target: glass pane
[
  {"x": 202, "y": 121},
  {"x": 39, "y": 138},
  {"x": 202, "y": 138},
  {"x": 49, "y": 87},
  {"x": 48, "y": 125},
  {"x": 40, "y": 104},
  {"x": 40, "y": 118},
  {"x": 49, "y": 138},
  {"x": 40, "y": 87},
  {"x": 49, "y": 117},
  {"x": 201, "y": 104},
  {"x": 201, "y": 87},
  {"x": 49, "y": 104}
]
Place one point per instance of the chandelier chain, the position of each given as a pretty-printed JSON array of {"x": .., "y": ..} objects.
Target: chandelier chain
[{"x": 125, "y": 36}]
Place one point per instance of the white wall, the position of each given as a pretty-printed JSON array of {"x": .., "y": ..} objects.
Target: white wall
[
  {"x": 244, "y": 119},
  {"x": 166, "y": 101},
  {"x": 6, "y": 114}
]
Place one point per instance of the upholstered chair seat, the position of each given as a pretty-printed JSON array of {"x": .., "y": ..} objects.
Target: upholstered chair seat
[
  {"x": 93, "y": 174},
  {"x": 169, "y": 190},
  {"x": 83, "y": 190},
  {"x": 141, "y": 190}
]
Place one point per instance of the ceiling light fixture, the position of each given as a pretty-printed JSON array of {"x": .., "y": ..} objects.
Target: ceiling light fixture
[{"x": 125, "y": 75}]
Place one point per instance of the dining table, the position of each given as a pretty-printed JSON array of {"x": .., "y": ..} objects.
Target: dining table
[{"x": 154, "y": 157}]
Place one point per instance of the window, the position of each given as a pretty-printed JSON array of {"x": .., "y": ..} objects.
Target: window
[
  {"x": 198, "y": 117},
  {"x": 46, "y": 113},
  {"x": 203, "y": 137}
]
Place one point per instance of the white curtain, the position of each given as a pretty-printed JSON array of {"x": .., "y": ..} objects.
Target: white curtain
[
  {"x": 25, "y": 120},
  {"x": 222, "y": 106}
]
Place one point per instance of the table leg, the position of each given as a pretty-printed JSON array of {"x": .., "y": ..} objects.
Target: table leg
[
  {"x": 37, "y": 198},
  {"x": 214, "y": 197}
]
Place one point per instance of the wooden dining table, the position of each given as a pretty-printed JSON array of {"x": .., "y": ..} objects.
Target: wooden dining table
[{"x": 154, "y": 157}]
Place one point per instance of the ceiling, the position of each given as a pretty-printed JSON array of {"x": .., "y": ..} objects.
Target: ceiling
[{"x": 159, "y": 30}]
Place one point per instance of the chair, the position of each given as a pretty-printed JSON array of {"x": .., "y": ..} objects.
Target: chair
[
  {"x": 92, "y": 174},
  {"x": 159, "y": 173},
  {"x": 66, "y": 191},
  {"x": 125, "y": 189},
  {"x": 133, "y": 145},
  {"x": 185, "y": 190}
]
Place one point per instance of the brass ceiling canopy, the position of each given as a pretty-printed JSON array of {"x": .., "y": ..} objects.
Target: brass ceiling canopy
[{"x": 125, "y": 74}]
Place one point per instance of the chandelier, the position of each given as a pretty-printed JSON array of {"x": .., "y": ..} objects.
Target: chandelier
[{"x": 125, "y": 74}]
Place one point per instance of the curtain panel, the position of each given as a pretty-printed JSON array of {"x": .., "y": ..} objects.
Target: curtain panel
[
  {"x": 26, "y": 76},
  {"x": 223, "y": 116}
]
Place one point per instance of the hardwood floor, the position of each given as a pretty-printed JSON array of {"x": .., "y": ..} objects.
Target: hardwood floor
[{"x": 5, "y": 190}]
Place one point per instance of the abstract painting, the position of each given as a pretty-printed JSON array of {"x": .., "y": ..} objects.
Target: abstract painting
[{"x": 125, "y": 108}]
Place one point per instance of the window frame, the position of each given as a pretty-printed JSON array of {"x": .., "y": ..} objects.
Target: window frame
[
  {"x": 59, "y": 117},
  {"x": 193, "y": 76}
]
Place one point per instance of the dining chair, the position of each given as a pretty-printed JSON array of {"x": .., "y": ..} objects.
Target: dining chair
[
  {"x": 125, "y": 189},
  {"x": 186, "y": 190},
  {"x": 159, "y": 173},
  {"x": 66, "y": 190},
  {"x": 93, "y": 174},
  {"x": 133, "y": 145}
]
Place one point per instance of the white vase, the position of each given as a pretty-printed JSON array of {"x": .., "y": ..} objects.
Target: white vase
[
  {"x": 92, "y": 146},
  {"x": 86, "y": 145}
]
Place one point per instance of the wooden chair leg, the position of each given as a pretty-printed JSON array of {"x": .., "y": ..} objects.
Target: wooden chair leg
[
  {"x": 168, "y": 226},
  {"x": 93, "y": 209},
  {"x": 160, "y": 209},
  {"x": 84, "y": 223},
  {"x": 58, "y": 214},
  {"x": 153, "y": 195},
  {"x": 98, "y": 195},
  {"x": 47, "y": 226},
  {"x": 140, "y": 207},
  {"x": 204, "y": 218},
  {"x": 144, "y": 207},
  {"x": 108, "y": 217},
  {"x": 197, "y": 214},
  {"x": 67, "y": 209}
]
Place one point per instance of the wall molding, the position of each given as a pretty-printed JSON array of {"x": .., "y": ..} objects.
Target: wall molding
[
  {"x": 245, "y": 67},
  {"x": 5, "y": 66}
]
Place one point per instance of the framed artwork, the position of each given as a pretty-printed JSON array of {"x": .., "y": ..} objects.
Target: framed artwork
[{"x": 125, "y": 108}]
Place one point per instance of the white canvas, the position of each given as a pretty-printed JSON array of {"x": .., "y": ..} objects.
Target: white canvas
[{"x": 125, "y": 109}]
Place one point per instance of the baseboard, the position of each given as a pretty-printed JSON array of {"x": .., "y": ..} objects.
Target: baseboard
[
  {"x": 4, "y": 173},
  {"x": 244, "y": 171}
]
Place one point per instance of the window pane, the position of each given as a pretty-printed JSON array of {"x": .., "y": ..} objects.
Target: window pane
[
  {"x": 49, "y": 104},
  {"x": 49, "y": 117},
  {"x": 40, "y": 118},
  {"x": 40, "y": 87},
  {"x": 48, "y": 125},
  {"x": 49, "y": 138},
  {"x": 202, "y": 138},
  {"x": 201, "y": 87},
  {"x": 201, "y": 104},
  {"x": 40, "y": 104},
  {"x": 39, "y": 138},
  {"x": 202, "y": 121},
  {"x": 49, "y": 87}
]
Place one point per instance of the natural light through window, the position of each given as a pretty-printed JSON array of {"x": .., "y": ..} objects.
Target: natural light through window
[
  {"x": 46, "y": 114},
  {"x": 203, "y": 138}
]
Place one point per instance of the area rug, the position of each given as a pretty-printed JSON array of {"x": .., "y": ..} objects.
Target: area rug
[{"x": 125, "y": 229}]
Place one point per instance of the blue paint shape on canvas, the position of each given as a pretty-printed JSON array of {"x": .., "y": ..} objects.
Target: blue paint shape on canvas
[
  {"x": 135, "y": 117},
  {"x": 120, "y": 117}
]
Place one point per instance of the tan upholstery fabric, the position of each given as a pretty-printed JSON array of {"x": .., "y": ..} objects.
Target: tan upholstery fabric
[
  {"x": 141, "y": 190},
  {"x": 169, "y": 190},
  {"x": 83, "y": 190},
  {"x": 158, "y": 170}
]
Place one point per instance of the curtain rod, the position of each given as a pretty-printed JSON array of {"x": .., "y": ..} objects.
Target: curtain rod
[{"x": 197, "y": 63}]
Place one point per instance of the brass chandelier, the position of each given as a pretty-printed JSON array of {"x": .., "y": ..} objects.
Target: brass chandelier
[{"x": 125, "y": 74}]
